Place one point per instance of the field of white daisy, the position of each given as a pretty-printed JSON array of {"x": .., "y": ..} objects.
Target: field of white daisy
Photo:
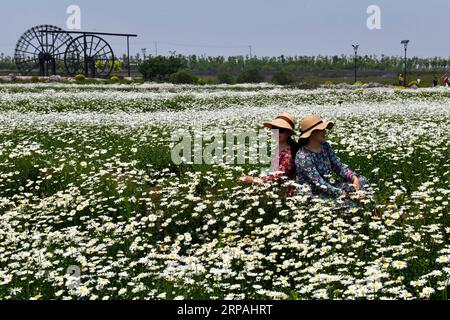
[{"x": 87, "y": 183}]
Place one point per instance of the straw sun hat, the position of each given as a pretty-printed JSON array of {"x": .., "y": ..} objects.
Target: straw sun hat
[
  {"x": 311, "y": 123},
  {"x": 283, "y": 120}
]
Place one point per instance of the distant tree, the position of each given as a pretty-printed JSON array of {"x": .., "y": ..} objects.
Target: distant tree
[
  {"x": 283, "y": 77},
  {"x": 183, "y": 76},
  {"x": 250, "y": 75},
  {"x": 160, "y": 67},
  {"x": 225, "y": 77}
]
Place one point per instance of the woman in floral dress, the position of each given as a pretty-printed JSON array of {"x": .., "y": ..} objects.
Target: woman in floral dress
[
  {"x": 316, "y": 160},
  {"x": 283, "y": 162}
]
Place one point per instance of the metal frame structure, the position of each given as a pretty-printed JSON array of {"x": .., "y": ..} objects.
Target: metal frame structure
[
  {"x": 88, "y": 57},
  {"x": 51, "y": 48}
]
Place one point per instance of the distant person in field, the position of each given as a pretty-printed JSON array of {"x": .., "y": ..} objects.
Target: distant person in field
[
  {"x": 445, "y": 80},
  {"x": 316, "y": 160},
  {"x": 285, "y": 152},
  {"x": 435, "y": 82},
  {"x": 401, "y": 80}
]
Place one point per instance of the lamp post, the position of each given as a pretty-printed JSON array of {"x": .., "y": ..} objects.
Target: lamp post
[
  {"x": 405, "y": 44},
  {"x": 355, "y": 48}
]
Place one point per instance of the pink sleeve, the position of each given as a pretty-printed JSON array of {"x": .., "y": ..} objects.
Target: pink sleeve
[{"x": 284, "y": 166}]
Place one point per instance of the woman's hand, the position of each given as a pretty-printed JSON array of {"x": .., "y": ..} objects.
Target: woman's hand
[
  {"x": 247, "y": 179},
  {"x": 355, "y": 195},
  {"x": 356, "y": 183},
  {"x": 250, "y": 180}
]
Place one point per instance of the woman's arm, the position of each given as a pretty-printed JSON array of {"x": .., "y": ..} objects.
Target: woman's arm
[
  {"x": 337, "y": 166},
  {"x": 306, "y": 168}
]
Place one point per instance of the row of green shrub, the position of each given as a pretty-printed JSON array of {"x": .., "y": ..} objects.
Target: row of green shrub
[
  {"x": 247, "y": 76},
  {"x": 185, "y": 76},
  {"x": 174, "y": 69}
]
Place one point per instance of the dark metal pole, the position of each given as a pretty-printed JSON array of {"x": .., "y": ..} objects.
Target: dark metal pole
[
  {"x": 41, "y": 65},
  {"x": 86, "y": 70},
  {"x": 128, "y": 52},
  {"x": 355, "y": 48},
  {"x": 404, "y": 78}
]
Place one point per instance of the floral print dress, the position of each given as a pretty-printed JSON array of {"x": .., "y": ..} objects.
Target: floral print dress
[
  {"x": 284, "y": 166},
  {"x": 315, "y": 168}
]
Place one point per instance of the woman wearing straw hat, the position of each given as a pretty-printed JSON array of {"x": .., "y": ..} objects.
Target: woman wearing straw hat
[
  {"x": 285, "y": 153},
  {"x": 315, "y": 160}
]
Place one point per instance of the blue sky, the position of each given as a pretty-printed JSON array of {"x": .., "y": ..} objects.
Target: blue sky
[{"x": 272, "y": 28}]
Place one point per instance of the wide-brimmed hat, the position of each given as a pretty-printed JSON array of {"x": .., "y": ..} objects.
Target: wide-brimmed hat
[
  {"x": 311, "y": 123},
  {"x": 283, "y": 120}
]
